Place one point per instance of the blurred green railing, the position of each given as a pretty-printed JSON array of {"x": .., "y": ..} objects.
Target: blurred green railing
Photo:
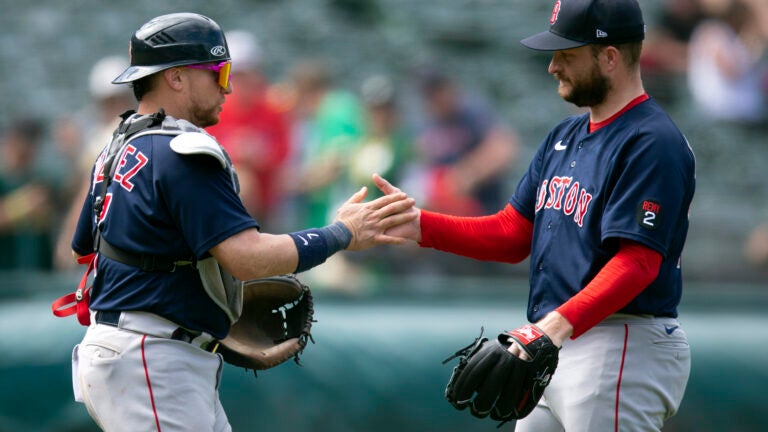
[{"x": 376, "y": 365}]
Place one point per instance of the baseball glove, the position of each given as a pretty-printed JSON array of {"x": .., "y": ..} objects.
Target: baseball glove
[
  {"x": 493, "y": 381},
  {"x": 274, "y": 326}
]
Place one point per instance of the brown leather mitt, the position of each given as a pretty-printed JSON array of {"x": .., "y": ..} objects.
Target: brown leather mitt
[{"x": 275, "y": 324}]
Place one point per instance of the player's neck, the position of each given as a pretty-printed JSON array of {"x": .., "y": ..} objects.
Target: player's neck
[
  {"x": 174, "y": 102},
  {"x": 618, "y": 97},
  {"x": 150, "y": 106}
]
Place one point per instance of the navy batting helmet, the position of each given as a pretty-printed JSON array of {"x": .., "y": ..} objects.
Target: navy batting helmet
[{"x": 174, "y": 40}]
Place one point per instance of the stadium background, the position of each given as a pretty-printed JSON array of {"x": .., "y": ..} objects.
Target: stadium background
[{"x": 377, "y": 362}]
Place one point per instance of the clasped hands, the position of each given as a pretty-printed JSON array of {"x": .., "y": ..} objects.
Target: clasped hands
[
  {"x": 396, "y": 220},
  {"x": 390, "y": 219}
]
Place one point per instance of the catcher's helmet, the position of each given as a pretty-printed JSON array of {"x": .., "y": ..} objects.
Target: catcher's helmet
[{"x": 174, "y": 40}]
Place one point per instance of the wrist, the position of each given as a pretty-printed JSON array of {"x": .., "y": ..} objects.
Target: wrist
[
  {"x": 556, "y": 327},
  {"x": 339, "y": 237},
  {"x": 315, "y": 245}
]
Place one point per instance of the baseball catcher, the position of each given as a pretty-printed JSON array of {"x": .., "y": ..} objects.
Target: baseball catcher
[
  {"x": 274, "y": 326},
  {"x": 169, "y": 241},
  {"x": 492, "y": 380}
]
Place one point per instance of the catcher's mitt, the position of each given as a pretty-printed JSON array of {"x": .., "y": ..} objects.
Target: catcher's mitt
[
  {"x": 506, "y": 386},
  {"x": 274, "y": 326}
]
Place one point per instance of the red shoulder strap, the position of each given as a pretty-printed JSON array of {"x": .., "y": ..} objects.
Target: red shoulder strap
[{"x": 77, "y": 302}]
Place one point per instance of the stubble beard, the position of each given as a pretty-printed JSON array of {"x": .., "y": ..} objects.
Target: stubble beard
[
  {"x": 205, "y": 117},
  {"x": 204, "y": 114},
  {"x": 587, "y": 92}
]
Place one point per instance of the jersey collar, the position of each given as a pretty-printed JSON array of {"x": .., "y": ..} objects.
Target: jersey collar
[{"x": 593, "y": 127}]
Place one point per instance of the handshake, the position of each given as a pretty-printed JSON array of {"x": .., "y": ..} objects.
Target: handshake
[{"x": 390, "y": 219}]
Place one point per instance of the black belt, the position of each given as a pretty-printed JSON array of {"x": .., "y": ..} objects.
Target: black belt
[{"x": 112, "y": 318}]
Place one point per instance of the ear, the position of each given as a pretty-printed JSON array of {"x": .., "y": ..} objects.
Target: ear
[
  {"x": 174, "y": 78},
  {"x": 611, "y": 58}
]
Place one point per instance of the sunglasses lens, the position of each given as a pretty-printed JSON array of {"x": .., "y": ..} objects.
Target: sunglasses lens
[{"x": 224, "y": 75}]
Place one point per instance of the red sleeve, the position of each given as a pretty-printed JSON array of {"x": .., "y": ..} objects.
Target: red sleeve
[
  {"x": 504, "y": 237},
  {"x": 627, "y": 274}
]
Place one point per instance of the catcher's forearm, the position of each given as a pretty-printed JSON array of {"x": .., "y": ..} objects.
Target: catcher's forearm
[{"x": 252, "y": 255}]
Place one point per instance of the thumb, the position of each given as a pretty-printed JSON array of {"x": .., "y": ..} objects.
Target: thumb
[
  {"x": 358, "y": 196},
  {"x": 384, "y": 185}
]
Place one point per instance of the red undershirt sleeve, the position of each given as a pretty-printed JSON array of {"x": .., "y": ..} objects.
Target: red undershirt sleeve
[
  {"x": 504, "y": 237},
  {"x": 624, "y": 276}
]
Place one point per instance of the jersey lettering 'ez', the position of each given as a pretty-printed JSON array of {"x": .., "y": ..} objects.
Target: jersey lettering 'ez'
[
  {"x": 130, "y": 163},
  {"x": 130, "y": 158},
  {"x": 125, "y": 178},
  {"x": 552, "y": 194}
]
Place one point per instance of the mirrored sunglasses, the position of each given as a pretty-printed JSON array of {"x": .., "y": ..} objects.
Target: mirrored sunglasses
[{"x": 223, "y": 69}]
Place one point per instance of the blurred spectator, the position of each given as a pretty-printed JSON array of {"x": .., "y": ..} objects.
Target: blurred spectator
[
  {"x": 254, "y": 128},
  {"x": 26, "y": 195},
  {"x": 665, "y": 53},
  {"x": 725, "y": 71},
  {"x": 81, "y": 136},
  {"x": 465, "y": 151},
  {"x": 329, "y": 125},
  {"x": 385, "y": 146},
  {"x": 756, "y": 247}
]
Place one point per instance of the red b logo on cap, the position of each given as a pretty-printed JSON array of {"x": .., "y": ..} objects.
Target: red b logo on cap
[{"x": 555, "y": 12}]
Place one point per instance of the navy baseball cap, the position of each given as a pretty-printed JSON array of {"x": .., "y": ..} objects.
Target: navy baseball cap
[{"x": 576, "y": 23}]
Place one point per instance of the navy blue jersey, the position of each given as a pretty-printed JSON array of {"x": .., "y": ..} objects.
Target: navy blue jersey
[
  {"x": 165, "y": 204},
  {"x": 632, "y": 179}
]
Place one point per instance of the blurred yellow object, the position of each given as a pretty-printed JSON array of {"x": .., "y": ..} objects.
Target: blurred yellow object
[{"x": 26, "y": 205}]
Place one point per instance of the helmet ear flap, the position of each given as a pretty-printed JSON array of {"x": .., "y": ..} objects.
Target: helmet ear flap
[{"x": 172, "y": 40}]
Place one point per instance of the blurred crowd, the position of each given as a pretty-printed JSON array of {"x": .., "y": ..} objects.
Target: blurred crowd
[
  {"x": 719, "y": 48},
  {"x": 711, "y": 56},
  {"x": 301, "y": 142}
]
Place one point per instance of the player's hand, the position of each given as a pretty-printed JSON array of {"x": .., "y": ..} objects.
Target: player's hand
[
  {"x": 369, "y": 221},
  {"x": 554, "y": 325},
  {"x": 516, "y": 350},
  {"x": 410, "y": 230}
]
